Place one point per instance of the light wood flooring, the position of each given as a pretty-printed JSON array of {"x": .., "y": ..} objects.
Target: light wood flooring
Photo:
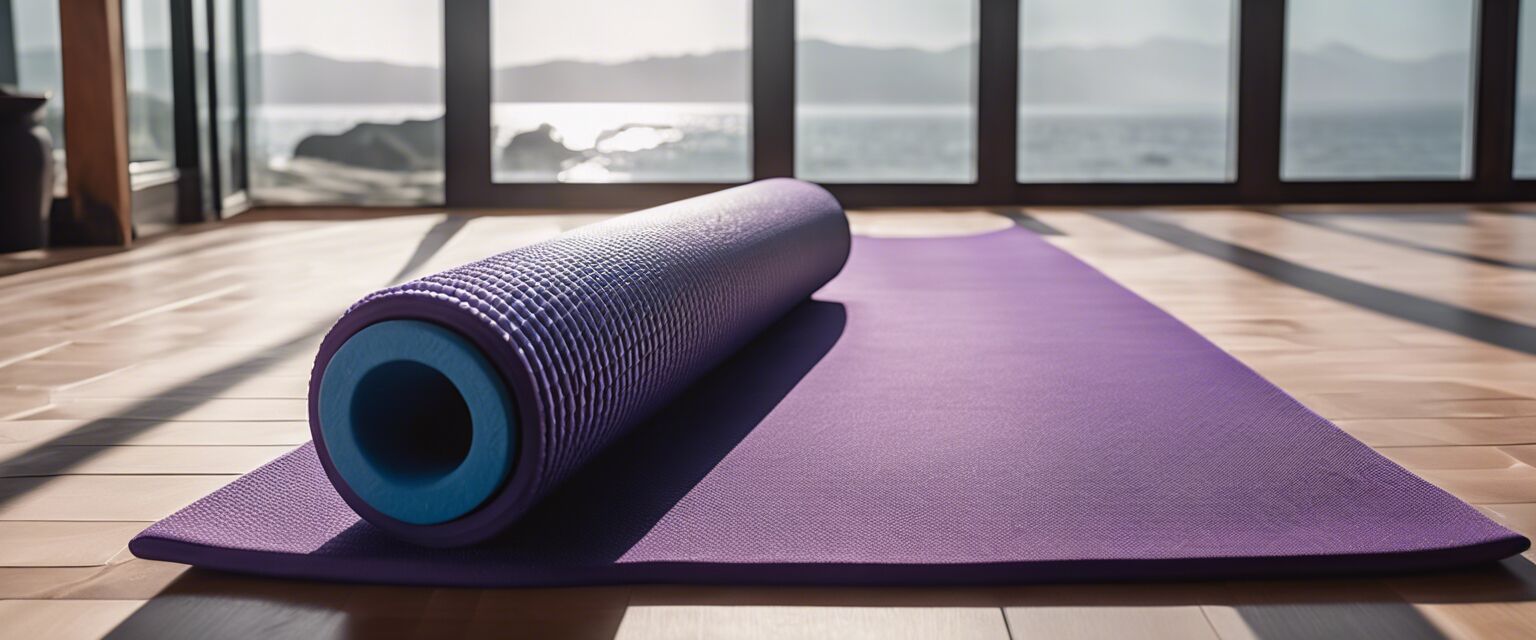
[{"x": 135, "y": 382}]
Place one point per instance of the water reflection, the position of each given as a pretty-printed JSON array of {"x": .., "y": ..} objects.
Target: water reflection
[
  {"x": 622, "y": 142},
  {"x": 543, "y": 155}
]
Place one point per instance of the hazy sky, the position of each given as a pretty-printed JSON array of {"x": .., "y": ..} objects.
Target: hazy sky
[
  {"x": 146, "y": 24},
  {"x": 526, "y": 31},
  {"x": 402, "y": 31},
  {"x": 929, "y": 24},
  {"x": 1391, "y": 28},
  {"x": 1090, "y": 23},
  {"x": 409, "y": 31}
]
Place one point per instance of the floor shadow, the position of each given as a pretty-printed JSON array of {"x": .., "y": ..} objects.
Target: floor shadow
[
  {"x": 1330, "y": 222},
  {"x": 1027, "y": 222},
  {"x": 1404, "y": 306},
  {"x": 54, "y": 457},
  {"x": 1381, "y": 608},
  {"x": 431, "y": 243},
  {"x": 1455, "y": 217},
  {"x": 208, "y": 604}
]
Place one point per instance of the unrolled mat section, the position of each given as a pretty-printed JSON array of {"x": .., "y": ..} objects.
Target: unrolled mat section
[{"x": 960, "y": 410}]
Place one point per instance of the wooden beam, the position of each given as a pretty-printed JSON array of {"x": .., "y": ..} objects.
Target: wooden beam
[{"x": 96, "y": 124}]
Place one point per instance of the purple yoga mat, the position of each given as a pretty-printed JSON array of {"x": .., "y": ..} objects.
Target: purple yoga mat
[{"x": 962, "y": 410}]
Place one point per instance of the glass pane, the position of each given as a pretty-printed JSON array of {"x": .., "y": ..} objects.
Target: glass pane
[
  {"x": 345, "y": 101},
  {"x": 636, "y": 91},
  {"x": 885, "y": 90},
  {"x": 1525, "y": 115},
  {"x": 208, "y": 190},
  {"x": 39, "y": 68},
  {"x": 151, "y": 119},
  {"x": 231, "y": 153},
  {"x": 1125, "y": 90},
  {"x": 1378, "y": 89}
]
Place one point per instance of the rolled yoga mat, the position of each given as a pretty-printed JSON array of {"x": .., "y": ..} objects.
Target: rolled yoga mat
[
  {"x": 957, "y": 410},
  {"x": 442, "y": 409}
]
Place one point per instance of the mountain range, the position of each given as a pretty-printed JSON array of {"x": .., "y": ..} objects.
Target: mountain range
[{"x": 1161, "y": 72}]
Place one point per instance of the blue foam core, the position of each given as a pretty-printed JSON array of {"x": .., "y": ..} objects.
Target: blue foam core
[{"x": 417, "y": 421}]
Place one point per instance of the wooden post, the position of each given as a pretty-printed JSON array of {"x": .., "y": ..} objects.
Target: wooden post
[{"x": 95, "y": 124}]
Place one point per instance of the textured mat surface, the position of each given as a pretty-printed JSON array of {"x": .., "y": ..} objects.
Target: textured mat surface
[{"x": 962, "y": 410}]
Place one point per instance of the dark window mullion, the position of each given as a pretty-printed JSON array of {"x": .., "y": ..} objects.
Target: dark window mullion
[
  {"x": 217, "y": 173},
  {"x": 241, "y": 177},
  {"x": 773, "y": 88},
  {"x": 1260, "y": 97},
  {"x": 1498, "y": 50},
  {"x": 467, "y": 104},
  {"x": 190, "y": 206},
  {"x": 997, "y": 95}
]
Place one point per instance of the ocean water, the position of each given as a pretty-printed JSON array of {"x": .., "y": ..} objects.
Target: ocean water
[{"x": 559, "y": 142}]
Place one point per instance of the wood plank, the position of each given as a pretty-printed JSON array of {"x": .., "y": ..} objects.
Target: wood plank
[
  {"x": 62, "y": 619},
  {"x": 155, "y": 432},
  {"x": 64, "y": 544},
  {"x": 746, "y": 623},
  {"x": 1129, "y": 623},
  {"x": 138, "y": 460},
  {"x": 102, "y": 498}
]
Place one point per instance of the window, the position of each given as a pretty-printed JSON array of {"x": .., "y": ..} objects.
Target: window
[
  {"x": 886, "y": 91},
  {"x": 151, "y": 113},
  {"x": 1525, "y": 109},
  {"x": 636, "y": 91},
  {"x": 227, "y": 103},
  {"x": 345, "y": 102},
  {"x": 1378, "y": 89},
  {"x": 1125, "y": 90}
]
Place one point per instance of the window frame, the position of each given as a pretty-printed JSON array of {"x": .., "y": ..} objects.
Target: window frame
[{"x": 1259, "y": 33}]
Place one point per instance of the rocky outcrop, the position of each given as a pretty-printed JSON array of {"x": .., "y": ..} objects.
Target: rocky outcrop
[
  {"x": 537, "y": 150},
  {"x": 413, "y": 145}
]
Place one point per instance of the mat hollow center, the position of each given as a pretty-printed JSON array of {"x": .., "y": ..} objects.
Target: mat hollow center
[{"x": 411, "y": 422}]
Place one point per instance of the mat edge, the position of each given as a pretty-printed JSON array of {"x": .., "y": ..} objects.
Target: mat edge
[{"x": 147, "y": 546}]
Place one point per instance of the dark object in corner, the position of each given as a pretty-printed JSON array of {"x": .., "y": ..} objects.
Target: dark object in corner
[{"x": 26, "y": 184}]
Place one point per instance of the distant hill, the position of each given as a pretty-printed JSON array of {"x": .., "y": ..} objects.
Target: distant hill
[
  {"x": 1157, "y": 72},
  {"x": 1339, "y": 70},
  {"x": 306, "y": 78}
]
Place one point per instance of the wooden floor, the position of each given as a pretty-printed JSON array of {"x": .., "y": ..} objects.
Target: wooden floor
[{"x": 134, "y": 383}]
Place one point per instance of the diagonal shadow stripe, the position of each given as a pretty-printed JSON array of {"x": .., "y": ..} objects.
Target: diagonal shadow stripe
[
  {"x": 1320, "y": 222},
  {"x": 1405, "y": 306},
  {"x": 435, "y": 239},
  {"x": 52, "y": 457},
  {"x": 1026, "y": 221}
]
